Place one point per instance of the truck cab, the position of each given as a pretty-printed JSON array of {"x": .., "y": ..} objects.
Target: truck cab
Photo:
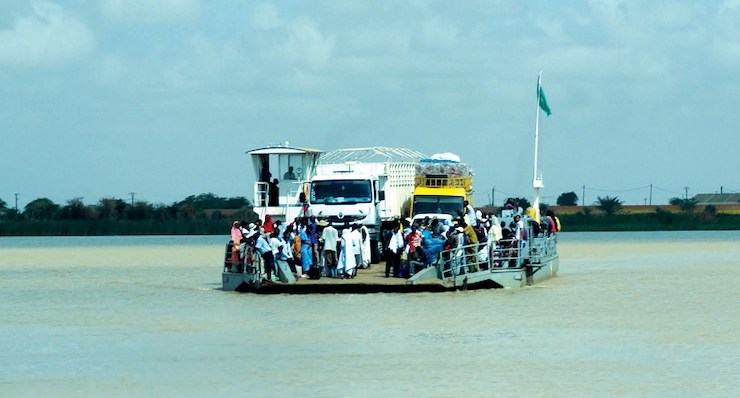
[
  {"x": 440, "y": 189},
  {"x": 345, "y": 198},
  {"x": 434, "y": 202}
]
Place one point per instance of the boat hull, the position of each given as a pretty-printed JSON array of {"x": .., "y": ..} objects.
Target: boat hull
[{"x": 372, "y": 280}]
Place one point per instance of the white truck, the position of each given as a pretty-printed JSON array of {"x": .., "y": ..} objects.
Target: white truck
[{"x": 372, "y": 186}]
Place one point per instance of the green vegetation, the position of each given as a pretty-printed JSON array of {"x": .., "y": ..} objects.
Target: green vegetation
[
  {"x": 197, "y": 214},
  {"x": 609, "y": 214},
  {"x": 609, "y": 205},
  {"x": 660, "y": 220},
  {"x": 208, "y": 214},
  {"x": 687, "y": 205},
  {"x": 567, "y": 199}
]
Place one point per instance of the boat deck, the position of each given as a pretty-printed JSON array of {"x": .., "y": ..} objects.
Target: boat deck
[
  {"x": 462, "y": 270},
  {"x": 368, "y": 280}
]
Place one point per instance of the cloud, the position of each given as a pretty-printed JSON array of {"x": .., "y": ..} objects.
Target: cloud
[
  {"x": 266, "y": 17},
  {"x": 206, "y": 64},
  {"x": 726, "y": 45},
  {"x": 437, "y": 34},
  {"x": 49, "y": 37},
  {"x": 299, "y": 41},
  {"x": 149, "y": 11},
  {"x": 649, "y": 24}
]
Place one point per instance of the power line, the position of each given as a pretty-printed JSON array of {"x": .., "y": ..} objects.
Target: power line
[
  {"x": 666, "y": 190},
  {"x": 619, "y": 190}
]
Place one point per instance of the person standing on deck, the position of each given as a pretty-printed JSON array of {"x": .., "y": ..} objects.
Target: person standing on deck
[
  {"x": 471, "y": 238},
  {"x": 306, "y": 250},
  {"x": 356, "y": 236},
  {"x": 366, "y": 253},
  {"x": 330, "y": 238},
  {"x": 273, "y": 193},
  {"x": 265, "y": 174},
  {"x": 286, "y": 253},
  {"x": 236, "y": 238},
  {"x": 275, "y": 246},
  {"x": 518, "y": 228},
  {"x": 395, "y": 246},
  {"x": 495, "y": 234},
  {"x": 458, "y": 260},
  {"x": 313, "y": 237},
  {"x": 413, "y": 240},
  {"x": 472, "y": 219},
  {"x": 268, "y": 226},
  {"x": 347, "y": 256},
  {"x": 520, "y": 235},
  {"x": 264, "y": 248},
  {"x": 553, "y": 225},
  {"x": 296, "y": 242}
]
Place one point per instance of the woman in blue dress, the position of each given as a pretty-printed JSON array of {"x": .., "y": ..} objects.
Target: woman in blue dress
[{"x": 306, "y": 250}]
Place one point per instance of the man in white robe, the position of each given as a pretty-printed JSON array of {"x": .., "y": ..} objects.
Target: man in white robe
[
  {"x": 357, "y": 244},
  {"x": 330, "y": 237},
  {"x": 366, "y": 254},
  {"x": 495, "y": 234},
  {"x": 347, "y": 257},
  {"x": 471, "y": 218}
]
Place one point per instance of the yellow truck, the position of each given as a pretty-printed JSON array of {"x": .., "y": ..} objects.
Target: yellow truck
[{"x": 441, "y": 186}]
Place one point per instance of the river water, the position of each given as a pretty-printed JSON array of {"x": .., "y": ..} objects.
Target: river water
[{"x": 630, "y": 314}]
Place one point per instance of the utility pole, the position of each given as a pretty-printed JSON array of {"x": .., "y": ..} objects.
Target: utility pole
[
  {"x": 583, "y": 197},
  {"x": 686, "y": 192},
  {"x": 132, "y": 198},
  {"x": 16, "y": 202},
  {"x": 651, "y": 195},
  {"x": 493, "y": 196}
]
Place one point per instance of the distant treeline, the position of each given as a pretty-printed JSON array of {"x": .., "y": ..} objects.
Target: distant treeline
[
  {"x": 208, "y": 214},
  {"x": 195, "y": 215},
  {"x": 660, "y": 220}
]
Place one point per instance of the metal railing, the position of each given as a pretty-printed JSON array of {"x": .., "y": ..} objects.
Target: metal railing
[
  {"x": 261, "y": 190},
  {"x": 543, "y": 248},
  {"x": 446, "y": 182},
  {"x": 468, "y": 259},
  {"x": 250, "y": 261}
]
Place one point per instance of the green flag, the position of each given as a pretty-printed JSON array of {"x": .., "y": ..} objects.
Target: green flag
[{"x": 542, "y": 100}]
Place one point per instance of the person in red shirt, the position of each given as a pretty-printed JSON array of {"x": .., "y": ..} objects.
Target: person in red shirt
[{"x": 413, "y": 239}]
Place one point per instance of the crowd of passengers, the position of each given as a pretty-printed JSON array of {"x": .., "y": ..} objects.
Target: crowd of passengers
[
  {"x": 471, "y": 238},
  {"x": 306, "y": 246},
  {"x": 311, "y": 248}
]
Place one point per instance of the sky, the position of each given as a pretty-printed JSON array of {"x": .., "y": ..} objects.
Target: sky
[{"x": 102, "y": 98}]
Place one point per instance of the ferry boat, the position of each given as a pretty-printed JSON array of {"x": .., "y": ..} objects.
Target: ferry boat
[
  {"x": 503, "y": 264},
  {"x": 460, "y": 268}
]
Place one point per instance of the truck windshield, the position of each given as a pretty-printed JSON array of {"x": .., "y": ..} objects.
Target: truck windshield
[
  {"x": 437, "y": 204},
  {"x": 341, "y": 192}
]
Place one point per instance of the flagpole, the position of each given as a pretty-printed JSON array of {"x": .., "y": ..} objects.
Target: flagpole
[{"x": 537, "y": 181}]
